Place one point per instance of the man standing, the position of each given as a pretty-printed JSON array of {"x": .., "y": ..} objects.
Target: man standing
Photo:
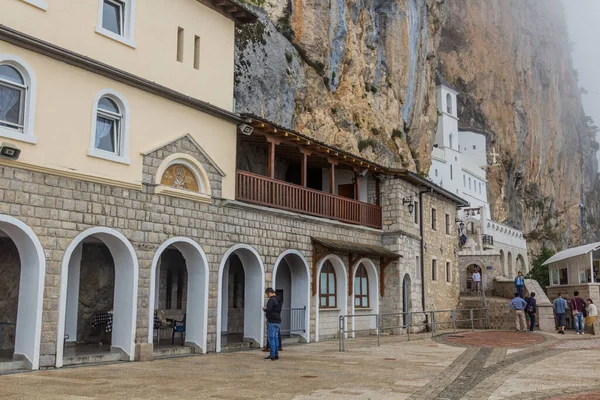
[
  {"x": 578, "y": 307},
  {"x": 560, "y": 308},
  {"x": 519, "y": 284},
  {"x": 273, "y": 314},
  {"x": 476, "y": 280},
  {"x": 518, "y": 304},
  {"x": 531, "y": 310}
]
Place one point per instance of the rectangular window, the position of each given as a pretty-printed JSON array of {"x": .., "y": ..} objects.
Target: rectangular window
[
  {"x": 113, "y": 16},
  {"x": 434, "y": 270},
  {"x": 416, "y": 216},
  {"x": 436, "y": 172},
  {"x": 447, "y": 224},
  {"x": 464, "y": 181},
  {"x": 555, "y": 277},
  {"x": 563, "y": 276},
  {"x": 451, "y": 174},
  {"x": 474, "y": 147},
  {"x": 197, "y": 52},
  {"x": 180, "y": 44},
  {"x": 433, "y": 219},
  {"x": 448, "y": 272},
  {"x": 418, "y": 267}
]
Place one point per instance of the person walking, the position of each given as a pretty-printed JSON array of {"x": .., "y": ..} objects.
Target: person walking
[
  {"x": 519, "y": 284},
  {"x": 531, "y": 311},
  {"x": 477, "y": 280},
  {"x": 518, "y": 304},
  {"x": 560, "y": 309},
  {"x": 273, "y": 314},
  {"x": 591, "y": 311},
  {"x": 578, "y": 308}
]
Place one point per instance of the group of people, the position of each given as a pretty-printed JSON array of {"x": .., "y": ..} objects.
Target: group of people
[
  {"x": 522, "y": 306},
  {"x": 584, "y": 313}
]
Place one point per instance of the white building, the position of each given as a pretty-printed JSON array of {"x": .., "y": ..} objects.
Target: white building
[{"x": 459, "y": 164}]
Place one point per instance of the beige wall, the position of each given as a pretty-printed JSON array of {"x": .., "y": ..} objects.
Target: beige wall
[
  {"x": 72, "y": 25},
  {"x": 63, "y": 121}
]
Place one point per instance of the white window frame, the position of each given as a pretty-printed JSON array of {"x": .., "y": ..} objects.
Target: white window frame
[
  {"x": 41, "y": 4},
  {"x": 123, "y": 141},
  {"x": 128, "y": 17},
  {"x": 26, "y": 134}
]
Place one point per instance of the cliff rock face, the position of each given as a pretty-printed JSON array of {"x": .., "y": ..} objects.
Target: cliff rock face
[
  {"x": 511, "y": 61},
  {"x": 355, "y": 73}
]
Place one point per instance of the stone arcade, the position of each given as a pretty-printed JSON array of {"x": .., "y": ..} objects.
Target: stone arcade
[{"x": 150, "y": 206}]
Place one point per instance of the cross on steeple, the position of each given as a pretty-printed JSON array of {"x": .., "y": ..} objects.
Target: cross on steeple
[{"x": 494, "y": 155}]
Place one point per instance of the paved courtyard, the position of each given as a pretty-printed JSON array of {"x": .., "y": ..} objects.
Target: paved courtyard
[{"x": 471, "y": 365}]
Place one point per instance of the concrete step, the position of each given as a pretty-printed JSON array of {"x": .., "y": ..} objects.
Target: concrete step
[
  {"x": 92, "y": 359},
  {"x": 13, "y": 366},
  {"x": 172, "y": 352},
  {"x": 239, "y": 347}
]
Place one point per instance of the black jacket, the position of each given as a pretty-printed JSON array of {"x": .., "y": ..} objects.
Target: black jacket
[
  {"x": 273, "y": 311},
  {"x": 531, "y": 305}
]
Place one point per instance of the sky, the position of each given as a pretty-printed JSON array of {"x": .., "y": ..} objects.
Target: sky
[{"x": 583, "y": 22}]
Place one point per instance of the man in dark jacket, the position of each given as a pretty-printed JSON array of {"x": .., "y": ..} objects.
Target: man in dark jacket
[
  {"x": 273, "y": 314},
  {"x": 531, "y": 311}
]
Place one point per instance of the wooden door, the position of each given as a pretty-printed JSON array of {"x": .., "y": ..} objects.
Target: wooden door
[{"x": 346, "y": 190}]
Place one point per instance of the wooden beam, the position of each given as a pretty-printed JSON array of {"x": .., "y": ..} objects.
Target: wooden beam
[
  {"x": 356, "y": 186},
  {"x": 271, "y": 160},
  {"x": 332, "y": 178}
]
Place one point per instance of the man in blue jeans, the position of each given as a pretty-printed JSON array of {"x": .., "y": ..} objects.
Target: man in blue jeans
[
  {"x": 273, "y": 314},
  {"x": 578, "y": 308}
]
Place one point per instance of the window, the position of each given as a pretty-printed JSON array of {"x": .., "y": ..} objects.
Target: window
[
  {"x": 474, "y": 147},
  {"x": 479, "y": 187},
  {"x": 180, "y": 35},
  {"x": 554, "y": 277},
  {"x": 110, "y": 127},
  {"x": 433, "y": 219},
  {"x": 451, "y": 139},
  {"x": 418, "y": 267},
  {"x": 17, "y": 99},
  {"x": 436, "y": 172},
  {"x": 563, "y": 276},
  {"x": 416, "y": 212},
  {"x": 197, "y": 52},
  {"x": 361, "y": 288},
  {"x": 116, "y": 20},
  {"x": 327, "y": 286},
  {"x": 451, "y": 173},
  {"x": 448, "y": 103},
  {"x": 464, "y": 181},
  {"x": 447, "y": 224},
  {"x": 469, "y": 183},
  {"x": 434, "y": 270},
  {"x": 448, "y": 272}
]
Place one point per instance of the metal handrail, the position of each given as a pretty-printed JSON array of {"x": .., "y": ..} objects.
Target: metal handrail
[{"x": 429, "y": 323}]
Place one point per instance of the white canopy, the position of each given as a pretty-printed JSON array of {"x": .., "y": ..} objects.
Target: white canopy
[{"x": 574, "y": 252}]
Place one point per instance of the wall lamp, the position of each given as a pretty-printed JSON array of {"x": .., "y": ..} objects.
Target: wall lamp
[
  {"x": 410, "y": 202},
  {"x": 461, "y": 225}
]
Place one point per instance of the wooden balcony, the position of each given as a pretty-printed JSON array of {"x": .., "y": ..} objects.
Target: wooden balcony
[{"x": 258, "y": 189}]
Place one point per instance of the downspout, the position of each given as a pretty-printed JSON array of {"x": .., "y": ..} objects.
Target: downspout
[{"x": 421, "y": 231}]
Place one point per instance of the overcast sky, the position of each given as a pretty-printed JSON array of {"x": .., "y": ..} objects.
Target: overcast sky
[{"x": 583, "y": 21}]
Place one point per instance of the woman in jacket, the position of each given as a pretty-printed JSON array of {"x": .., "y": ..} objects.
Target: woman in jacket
[{"x": 591, "y": 311}]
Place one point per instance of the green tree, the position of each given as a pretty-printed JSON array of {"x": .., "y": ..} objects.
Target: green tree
[{"x": 540, "y": 272}]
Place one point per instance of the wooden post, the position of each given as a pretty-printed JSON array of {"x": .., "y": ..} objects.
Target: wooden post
[
  {"x": 303, "y": 168},
  {"x": 356, "y": 186},
  {"x": 271, "y": 161},
  {"x": 331, "y": 178}
]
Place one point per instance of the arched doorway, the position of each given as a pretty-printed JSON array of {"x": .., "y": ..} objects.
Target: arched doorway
[
  {"x": 406, "y": 300},
  {"x": 291, "y": 282},
  {"x": 98, "y": 298},
  {"x": 22, "y": 268},
  {"x": 467, "y": 286},
  {"x": 240, "y": 320},
  {"x": 179, "y": 290},
  {"x": 365, "y": 295},
  {"x": 331, "y": 300}
]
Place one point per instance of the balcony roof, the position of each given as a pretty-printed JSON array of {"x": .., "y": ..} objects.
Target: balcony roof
[
  {"x": 232, "y": 10},
  {"x": 356, "y": 248}
]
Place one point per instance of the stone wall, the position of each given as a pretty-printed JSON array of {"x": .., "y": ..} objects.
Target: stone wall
[{"x": 10, "y": 270}]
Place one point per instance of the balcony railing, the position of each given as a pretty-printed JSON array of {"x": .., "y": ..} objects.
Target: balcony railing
[{"x": 269, "y": 192}]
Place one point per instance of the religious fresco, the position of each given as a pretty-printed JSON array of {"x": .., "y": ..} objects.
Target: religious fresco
[{"x": 179, "y": 176}]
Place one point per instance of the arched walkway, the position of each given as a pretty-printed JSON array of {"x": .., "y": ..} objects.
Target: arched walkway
[
  {"x": 291, "y": 279},
  {"x": 196, "y": 307},
  {"x": 326, "y": 319},
  {"x": 241, "y": 297},
  {"x": 358, "y": 305},
  {"x": 124, "y": 299},
  {"x": 521, "y": 265},
  {"x": 31, "y": 288}
]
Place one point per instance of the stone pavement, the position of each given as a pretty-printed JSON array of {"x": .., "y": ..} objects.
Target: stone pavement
[{"x": 470, "y": 365}]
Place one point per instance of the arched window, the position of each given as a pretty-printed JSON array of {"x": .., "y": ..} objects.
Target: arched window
[
  {"x": 327, "y": 290},
  {"x": 110, "y": 127},
  {"x": 448, "y": 103},
  {"x": 361, "y": 288},
  {"x": 464, "y": 181},
  {"x": 451, "y": 141},
  {"x": 17, "y": 99},
  {"x": 451, "y": 174},
  {"x": 469, "y": 183}
]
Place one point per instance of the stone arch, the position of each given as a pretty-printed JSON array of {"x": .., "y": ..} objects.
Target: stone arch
[
  {"x": 31, "y": 288},
  {"x": 341, "y": 290},
  {"x": 466, "y": 272},
  {"x": 299, "y": 286},
  {"x": 125, "y": 289},
  {"x": 373, "y": 278},
  {"x": 254, "y": 280},
  {"x": 192, "y": 165},
  {"x": 197, "y": 290},
  {"x": 521, "y": 265}
]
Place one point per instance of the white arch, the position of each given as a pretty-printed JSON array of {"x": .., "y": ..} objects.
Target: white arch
[
  {"x": 253, "y": 300},
  {"x": 300, "y": 283},
  {"x": 197, "y": 290},
  {"x": 341, "y": 288},
  {"x": 31, "y": 288},
  {"x": 118, "y": 98},
  {"x": 373, "y": 289},
  {"x": 28, "y": 134},
  {"x": 194, "y": 165},
  {"x": 126, "y": 288}
]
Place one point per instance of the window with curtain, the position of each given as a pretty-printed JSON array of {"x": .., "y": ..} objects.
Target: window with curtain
[
  {"x": 327, "y": 286},
  {"x": 361, "y": 288},
  {"x": 108, "y": 126},
  {"x": 12, "y": 98}
]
